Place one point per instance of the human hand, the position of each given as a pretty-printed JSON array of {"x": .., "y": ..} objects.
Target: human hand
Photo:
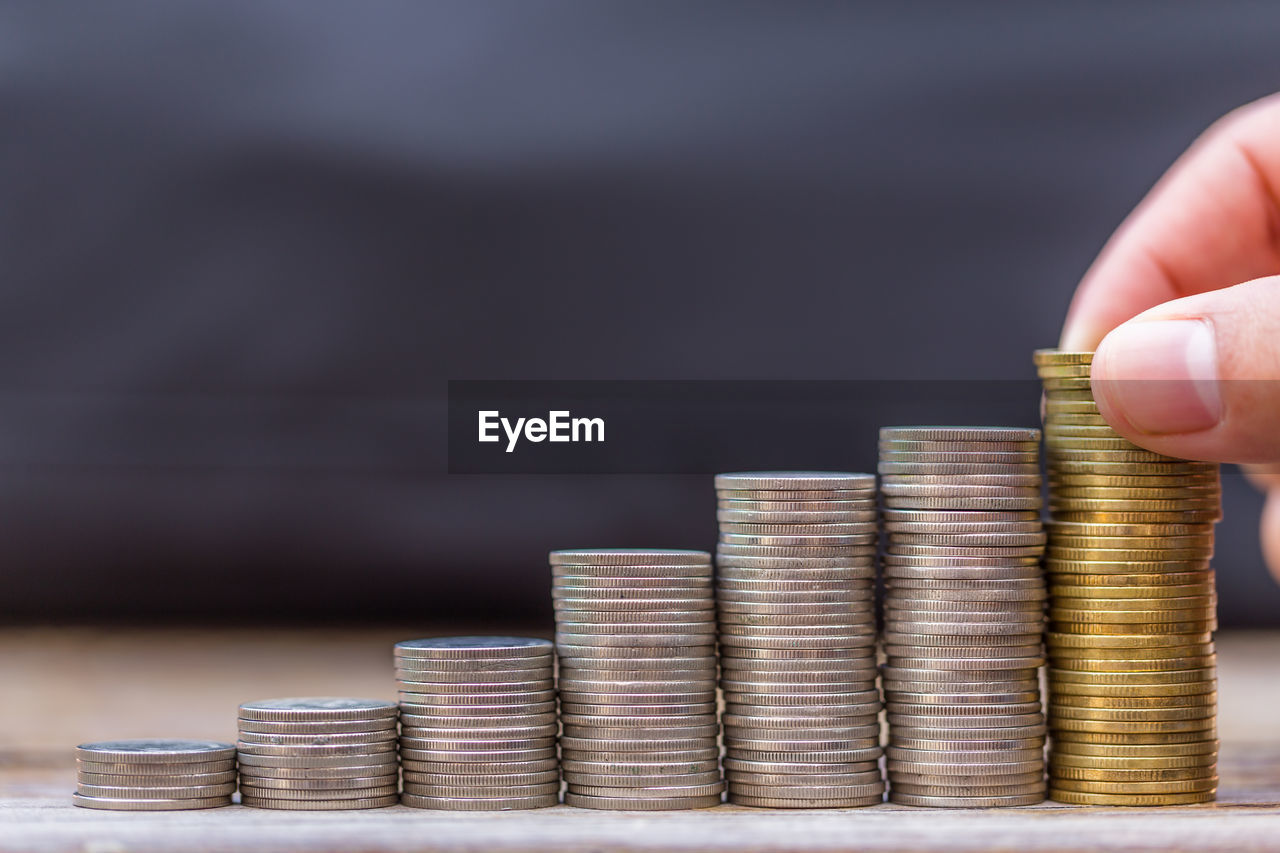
[{"x": 1187, "y": 292}]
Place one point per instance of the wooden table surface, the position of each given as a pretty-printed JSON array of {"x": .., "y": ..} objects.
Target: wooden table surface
[{"x": 62, "y": 687}]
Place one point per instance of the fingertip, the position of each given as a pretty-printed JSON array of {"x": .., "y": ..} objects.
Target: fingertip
[{"x": 1270, "y": 532}]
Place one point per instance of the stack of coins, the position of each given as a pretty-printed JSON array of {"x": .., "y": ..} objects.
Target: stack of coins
[
  {"x": 318, "y": 753},
  {"x": 154, "y": 775},
  {"x": 478, "y": 723},
  {"x": 635, "y": 632},
  {"x": 1132, "y": 678},
  {"x": 796, "y": 600},
  {"x": 964, "y": 615}
]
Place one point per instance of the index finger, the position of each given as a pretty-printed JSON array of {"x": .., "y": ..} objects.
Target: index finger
[{"x": 1212, "y": 221}]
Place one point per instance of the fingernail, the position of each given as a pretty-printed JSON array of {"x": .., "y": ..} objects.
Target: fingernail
[{"x": 1161, "y": 376}]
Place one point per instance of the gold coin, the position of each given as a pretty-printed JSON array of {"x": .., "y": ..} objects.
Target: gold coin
[
  {"x": 1147, "y": 618},
  {"x": 1057, "y": 527},
  {"x": 1098, "y": 603},
  {"x": 1136, "y": 481},
  {"x": 1188, "y": 516},
  {"x": 1055, "y": 407},
  {"x": 1133, "y": 666},
  {"x": 1180, "y": 651},
  {"x": 1185, "y": 786},
  {"x": 1130, "y": 774},
  {"x": 1081, "y": 592},
  {"x": 1062, "y": 689},
  {"x": 1061, "y": 370},
  {"x": 1077, "y": 748},
  {"x": 1189, "y": 504},
  {"x": 1087, "y": 415},
  {"x": 1059, "y": 713},
  {"x": 1051, "y": 356},
  {"x": 1116, "y": 555},
  {"x": 1161, "y": 762},
  {"x": 1194, "y": 675},
  {"x": 1057, "y": 429},
  {"x": 1122, "y": 641},
  {"x": 1197, "y": 700},
  {"x": 1134, "y": 728},
  {"x": 1135, "y": 739},
  {"x": 1077, "y": 798},
  {"x": 1101, "y": 567},
  {"x": 1165, "y": 466},
  {"x": 1068, "y": 384}
]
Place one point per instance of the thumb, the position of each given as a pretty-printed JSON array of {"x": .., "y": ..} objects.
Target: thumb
[{"x": 1199, "y": 377}]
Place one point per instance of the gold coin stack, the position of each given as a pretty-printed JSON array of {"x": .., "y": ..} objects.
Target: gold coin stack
[{"x": 1132, "y": 678}]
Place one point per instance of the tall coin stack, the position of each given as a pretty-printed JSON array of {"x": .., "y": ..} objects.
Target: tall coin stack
[
  {"x": 964, "y": 615},
  {"x": 796, "y": 599},
  {"x": 635, "y": 632},
  {"x": 318, "y": 753},
  {"x": 478, "y": 723},
  {"x": 1132, "y": 678},
  {"x": 154, "y": 775}
]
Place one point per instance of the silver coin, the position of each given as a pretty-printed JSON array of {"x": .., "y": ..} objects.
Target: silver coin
[
  {"x": 968, "y": 540},
  {"x": 1018, "y": 480},
  {"x": 826, "y": 757},
  {"x": 692, "y": 572},
  {"x": 866, "y": 495},
  {"x": 315, "y": 740},
  {"x": 389, "y": 768},
  {"x": 1026, "y": 458},
  {"x": 637, "y": 709},
  {"x": 479, "y": 803},
  {"x": 604, "y": 754},
  {"x": 1031, "y": 589},
  {"x": 961, "y": 468},
  {"x": 479, "y": 791},
  {"x": 179, "y": 792},
  {"x": 595, "y": 780},
  {"x": 479, "y": 768},
  {"x": 617, "y": 639},
  {"x": 867, "y": 524},
  {"x": 473, "y": 676},
  {"x": 742, "y": 769},
  {"x": 794, "y": 480},
  {"x": 147, "y": 805},
  {"x": 479, "y": 757},
  {"x": 651, "y": 747},
  {"x": 263, "y": 727},
  {"x": 414, "y": 733},
  {"x": 960, "y": 433},
  {"x": 654, "y": 585},
  {"x": 629, "y": 556},
  {"x": 798, "y": 803},
  {"x": 581, "y": 801},
  {"x": 336, "y": 787},
  {"x": 181, "y": 768},
  {"x": 310, "y": 760},
  {"x": 172, "y": 780},
  {"x": 997, "y": 566},
  {"x": 964, "y": 490},
  {"x": 977, "y": 503},
  {"x": 461, "y": 703},
  {"x": 846, "y": 505},
  {"x": 965, "y": 780},
  {"x": 154, "y": 751},
  {"x": 850, "y": 553},
  {"x": 293, "y": 751},
  {"x": 317, "y": 708},
  {"x": 478, "y": 690},
  {"x": 372, "y": 802},
  {"x": 479, "y": 722},
  {"x": 470, "y": 780}
]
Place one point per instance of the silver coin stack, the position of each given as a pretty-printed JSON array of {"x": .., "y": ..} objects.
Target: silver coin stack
[
  {"x": 964, "y": 615},
  {"x": 318, "y": 753},
  {"x": 635, "y": 633},
  {"x": 478, "y": 723},
  {"x": 796, "y": 599},
  {"x": 148, "y": 775}
]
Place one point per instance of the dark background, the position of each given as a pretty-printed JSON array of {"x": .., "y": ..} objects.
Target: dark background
[{"x": 244, "y": 245}]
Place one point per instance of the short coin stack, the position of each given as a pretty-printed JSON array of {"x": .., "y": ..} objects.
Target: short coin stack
[
  {"x": 964, "y": 615},
  {"x": 635, "y": 632},
  {"x": 478, "y": 723},
  {"x": 318, "y": 753},
  {"x": 796, "y": 599},
  {"x": 154, "y": 775},
  {"x": 1132, "y": 678}
]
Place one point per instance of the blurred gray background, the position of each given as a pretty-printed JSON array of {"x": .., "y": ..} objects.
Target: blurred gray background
[{"x": 244, "y": 244}]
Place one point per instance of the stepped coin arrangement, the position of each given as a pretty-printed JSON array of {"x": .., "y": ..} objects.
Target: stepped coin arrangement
[
  {"x": 318, "y": 753},
  {"x": 478, "y": 723},
  {"x": 635, "y": 635},
  {"x": 148, "y": 775},
  {"x": 964, "y": 615},
  {"x": 795, "y": 590},
  {"x": 1132, "y": 677}
]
